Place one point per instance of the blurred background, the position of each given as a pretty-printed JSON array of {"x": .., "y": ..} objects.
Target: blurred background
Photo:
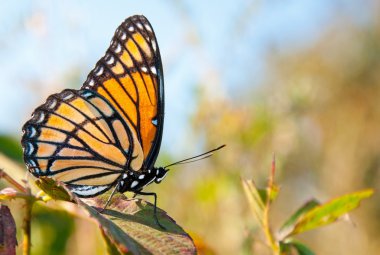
[{"x": 300, "y": 79}]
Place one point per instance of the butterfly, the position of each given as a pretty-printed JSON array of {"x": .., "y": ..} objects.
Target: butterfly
[{"x": 108, "y": 133}]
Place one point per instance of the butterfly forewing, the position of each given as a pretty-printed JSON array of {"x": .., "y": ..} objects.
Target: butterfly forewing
[{"x": 130, "y": 77}]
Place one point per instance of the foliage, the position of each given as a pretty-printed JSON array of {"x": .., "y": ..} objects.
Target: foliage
[
  {"x": 309, "y": 216},
  {"x": 126, "y": 225}
]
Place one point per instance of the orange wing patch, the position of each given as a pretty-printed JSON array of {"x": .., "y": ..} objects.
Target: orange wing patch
[{"x": 128, "y": 76}]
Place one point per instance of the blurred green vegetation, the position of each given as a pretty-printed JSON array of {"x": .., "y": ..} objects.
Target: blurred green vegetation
[
  {"x": 11, "y": 148},
  {"x": 317, "y": 109}
]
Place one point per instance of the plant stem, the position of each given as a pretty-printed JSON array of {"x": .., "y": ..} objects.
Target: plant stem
[
  {"x": 268, "y": 233},
  {"x": 26, "y": 227},
  {"x": 12, "y": 181}
]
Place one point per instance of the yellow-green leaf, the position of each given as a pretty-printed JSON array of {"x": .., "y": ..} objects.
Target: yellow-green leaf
[
  {"x": 255, "y": 200},
  {"x": 54, "y": 189},
  {"x": 329, "y": 212},
  {"x": 288, "y": 226}
]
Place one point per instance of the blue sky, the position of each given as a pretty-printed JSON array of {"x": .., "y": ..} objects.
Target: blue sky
[{"x": 203, "y": 43}]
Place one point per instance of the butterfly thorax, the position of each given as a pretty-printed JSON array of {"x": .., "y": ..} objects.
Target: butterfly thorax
[{"x": 137, "y": 180}]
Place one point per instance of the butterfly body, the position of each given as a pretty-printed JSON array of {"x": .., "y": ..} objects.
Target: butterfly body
[{"x": 132, "y": 181}]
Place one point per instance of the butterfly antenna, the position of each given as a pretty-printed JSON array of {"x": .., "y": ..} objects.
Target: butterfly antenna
[{"x": 196, "y": 158}]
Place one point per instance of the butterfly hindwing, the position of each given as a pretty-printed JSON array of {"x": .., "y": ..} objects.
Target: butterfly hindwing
[
  {"x": 130, "y": 77},
  {"x": 77, "y": 137}
]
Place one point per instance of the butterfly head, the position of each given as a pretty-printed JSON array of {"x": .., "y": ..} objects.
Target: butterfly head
[{"x": 160, "y": 174}]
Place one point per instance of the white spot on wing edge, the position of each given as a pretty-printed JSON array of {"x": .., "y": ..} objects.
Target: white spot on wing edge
[
  {"x": 30, "y": 149},
  {"x": 86, "y": 94},
  {"x": 144, "y": 69},
  {"x": 99, "y": 71},
  {"x": 139, "y": 25},
  {"x": 153, "y": 69},
  {"x": 154, "y": 46},
  {"x": 142, "y": 176},
  {"x": 148, "y": 28},
  {"x": 91, "y": 82},
  {"x": 32, "y": 131},
  {"x": 131, "y": 28},
  {"x": 32, "y": 163},
  {"x": 88, "y": 190},
  {"x": 118, "y": 48},
  {"x": 123, "y": 36},
  {"x": 40, "y": 117},
  {"x": 52, "y": 103},
  {"x": 110, "y": 59},
  {"x": 68, "y": 96}
]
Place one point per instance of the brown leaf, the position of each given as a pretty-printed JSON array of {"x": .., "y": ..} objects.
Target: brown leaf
[{"x": 8, "y": 241}]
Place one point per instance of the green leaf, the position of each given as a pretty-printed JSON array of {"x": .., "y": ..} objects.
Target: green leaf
[
  {"x": 130, "y": 227},
  {"x": 273, "y": 192},
  {"x": 11, "y": 148},
  {"x": 255, "y": 200},
  {"x": 302, "y": 249},
  {"x": 54, "y": 189},
  {"x": 329, "y": 212},
  {"x": 263, "y": 193},
  {"x": 288, "y": 226},
  {"x": 286, "y": 247}
]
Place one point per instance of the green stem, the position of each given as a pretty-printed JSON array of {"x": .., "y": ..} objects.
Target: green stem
[
  {"x": 26, "y": 227},
  {"x": 268, "y": 233}
]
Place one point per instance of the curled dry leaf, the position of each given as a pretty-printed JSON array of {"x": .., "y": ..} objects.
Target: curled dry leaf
[{"x": 8, "y": 241}]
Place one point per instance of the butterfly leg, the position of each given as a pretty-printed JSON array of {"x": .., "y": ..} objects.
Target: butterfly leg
[
  {"x": 109, "y": 198},
  {"x": 155, "y": 205}
]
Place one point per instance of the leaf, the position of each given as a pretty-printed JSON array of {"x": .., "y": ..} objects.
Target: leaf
[
  {"x": 8, "y": 241},
  {"x": 130, "y": 226},
  {"x": 127, "y": 225},
  {"x": 286, "y": 247},
  {"x": 329, "y": 212},
  {"x": 54, "y": 189},
  {"x": 288, "y": 226},
  {"x": 273, "y": 192},
  {"x": 255, "y": 200},
  {"x": 111, "y": 247},
  {"x": 301, "y": 248}
]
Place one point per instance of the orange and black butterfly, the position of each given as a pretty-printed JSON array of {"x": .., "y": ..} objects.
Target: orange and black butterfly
[{"x": 108, "y": 133}]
